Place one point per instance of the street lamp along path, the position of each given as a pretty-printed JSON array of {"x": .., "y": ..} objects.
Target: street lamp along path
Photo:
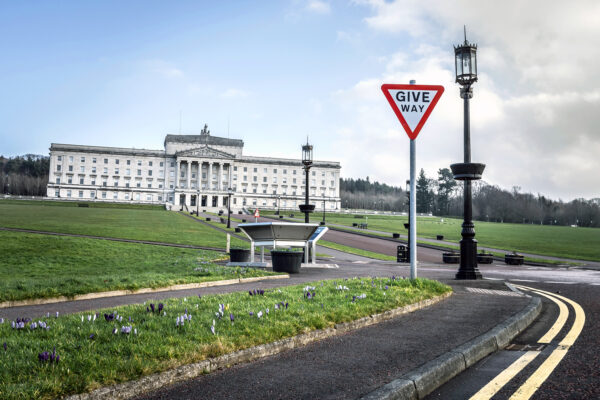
[{"x": 465, "y": 56}]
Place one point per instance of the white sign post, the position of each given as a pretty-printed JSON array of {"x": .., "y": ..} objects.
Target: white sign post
[{"x": 412, "y": 104}]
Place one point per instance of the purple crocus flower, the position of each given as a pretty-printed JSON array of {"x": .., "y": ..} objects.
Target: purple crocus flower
[
  {"x": 160, "y": 307},
  {"x": 1, "y": 320},
  {"x": 147, "y": 309},
  {"x": 212, "y": 329},
  {"x": 5, "y": 346},
  {"x": 44, "y": 356},
  {"x": 250, "y": 292},
  {"x": 386, "y": 287},
  {"x": 115, "y": 331},
  {"x": 286, "y": 305},
  {"x": 92, "y": 336},
  {"x": 152, "y": 306},
  {"x": 231, "y": 318},
  {"x": 251, "y": 313}
]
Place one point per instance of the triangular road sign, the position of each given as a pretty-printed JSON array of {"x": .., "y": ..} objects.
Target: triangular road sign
[{"x": 412, "y": 104}]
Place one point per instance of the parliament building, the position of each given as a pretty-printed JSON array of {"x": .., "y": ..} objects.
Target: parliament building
[{"x": 193, "y": 171}]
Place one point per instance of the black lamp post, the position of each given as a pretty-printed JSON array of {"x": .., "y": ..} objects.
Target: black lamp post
[
  {"x": 323, "y": 223},
  {"x": 466, "y": 75},
  {"x": 278, "y": 204},
  {"x": 229, "y": 193},
  {"x": 307, "y": 160}
]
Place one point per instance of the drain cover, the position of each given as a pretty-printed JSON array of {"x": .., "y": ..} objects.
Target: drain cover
[{"x": 526, "y": 347}]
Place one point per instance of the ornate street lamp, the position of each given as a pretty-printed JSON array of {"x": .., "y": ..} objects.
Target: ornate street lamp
[
  {"x": 466, "y": 75},
  {"x": 278, "y": 204},
  {"x": 307, "y": 160},
  {"x": 323, "y": 222},
  {"x": 229, "y": 193}
]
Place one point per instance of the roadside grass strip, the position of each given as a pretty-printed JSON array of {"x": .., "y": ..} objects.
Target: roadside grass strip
[
  {"x": 59, "y": 355},
  {"x": 354, "y": 250},
  {"x": 42, "y": 266}
]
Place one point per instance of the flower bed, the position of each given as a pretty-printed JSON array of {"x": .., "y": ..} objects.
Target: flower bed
[{"x": 78, "y": 353}]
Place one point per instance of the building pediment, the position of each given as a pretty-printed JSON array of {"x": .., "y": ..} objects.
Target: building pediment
[{"x": 205, "y": 152}]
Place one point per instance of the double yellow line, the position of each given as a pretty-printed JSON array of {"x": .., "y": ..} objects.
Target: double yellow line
[{"x": 527, "y": 389}]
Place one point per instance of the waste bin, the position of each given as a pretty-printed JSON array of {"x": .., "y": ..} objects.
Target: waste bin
[{"x": 402, "y": 253}]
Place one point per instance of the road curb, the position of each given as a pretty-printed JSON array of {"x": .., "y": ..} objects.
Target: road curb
[
  {"x": 148, "y": 383},
  {"x": 114, "y": 293},
  {"x": 421, "y": 381}
]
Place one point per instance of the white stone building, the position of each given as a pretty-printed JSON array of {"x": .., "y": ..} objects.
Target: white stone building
[{"x": 192, "y": 172}]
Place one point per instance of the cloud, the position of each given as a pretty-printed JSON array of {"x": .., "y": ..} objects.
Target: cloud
[
  {"x": 234, "y": 93},
  {"x": 318, "y": 7},
  {"x": 164, "y": 68},
  {"x": 534, "y": 112}
]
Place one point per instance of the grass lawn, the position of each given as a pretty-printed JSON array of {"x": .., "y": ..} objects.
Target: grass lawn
[
  {"x": 159, "y": 226},
  {"x": 42, "y": 266},
  {"x": 94, "y": 352},
  {"x": 558, "y": 241},
  {"x": 360, "y": 252},
  {"x": 92, "y": 204}
]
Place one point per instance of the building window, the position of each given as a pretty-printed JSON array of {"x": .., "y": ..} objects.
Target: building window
[
  {"x": 172, "y": 165},
  {"x": 139, "y": 162},
  {"x": 68, "y": 193},
  {"x": 160, "y": 186},
  {"x": 314, "y": 173},
  {"x": 274, "y": 179},
  {"x": 81, "y": 194},
  {"x": 103, "y": 195},
  {"x": 245, "y": 178},
  {"x": 149, "y": 163},
  {"x": 59, "y": 158},
  {"x": 70, "y": 168},
  {"x": 264, "y": 178},
  {"x": 58, "y": 181},
  {"x": 126, "y": 196},
  {"x": 94, "y": 160},
  {"x": 82, "y": 160},
  {"x": 82, "y": 169},
  {"x": 70, "y": 160},
  {"x": 245, "y": 169},
  {"x": 92, "y": 195},
  {"x": 93, "y": 170},
  {"x": 106, "y": 161},
  {"x": 105, "y": 171},
  {"x": 149, "y": 172},
  {"x": 81, "y": 181},
  {"x": 117, "y": 161},
  {"x": 58, "y": 167},
  {"x": 284, "y": 180},
  {"x": 255, "y": 169},
  {"x": 115, "y": 195},
  {"x": 235, "y": 168},
  {"x": 150, "y": 185},
  {"x": 149, "y": 197},
  {"x": 126, "y": 184},
  {"x": 254, "y": 178},
  {"x": 294, "y": 172},
  {"x": 116, "y": 183},
  {"x": 215, "y": 201},
  {"x": 116, "y": 171},
  {"x": 138, "y": 184},
  {"x": 128, "y": 162},
  {"x": 139, "y": 172},
  {"x": 69, "y": 180},
  {"x": 159, "y": 198},
  {"x": 93, "y": 181},
  {"x": 274, "y": 170},
  {"x": 161, "y": 164},
  {"x": 253, "y": 190}
]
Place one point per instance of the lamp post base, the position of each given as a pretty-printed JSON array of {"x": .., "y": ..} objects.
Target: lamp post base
[{"x": 468, "y": 260}]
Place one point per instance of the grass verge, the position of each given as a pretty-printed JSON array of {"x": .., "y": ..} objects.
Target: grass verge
[
  {"x": 95, "y": 352},
  {"x": 43, "y": 266},
  {"x": 359, "y": 252}
]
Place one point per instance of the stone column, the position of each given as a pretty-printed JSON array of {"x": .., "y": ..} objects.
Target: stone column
[
  {"x": 189, "y": 174},
  {"x": 210, "y": 175},
  {"x": 177, "y": 168},
  {"x": 219, "y": 176},
  {"x": 52, "y": 167}
]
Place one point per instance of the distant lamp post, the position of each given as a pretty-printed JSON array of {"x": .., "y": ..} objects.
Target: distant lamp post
[
  {"x": 466, "y": 74},
  {"x": 198, "y": 202},
  {"x": 307, "y": 160},
  {"x": 278, "y": 204},
  {"x": 229, "y": 194},
  {"x": 323, "y": 223}
]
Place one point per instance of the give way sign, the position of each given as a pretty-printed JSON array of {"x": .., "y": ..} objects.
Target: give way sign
[{"x": 412, "y": 104}]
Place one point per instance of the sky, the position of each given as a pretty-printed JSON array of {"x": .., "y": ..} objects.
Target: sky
[{"x": 271, "y": 73}]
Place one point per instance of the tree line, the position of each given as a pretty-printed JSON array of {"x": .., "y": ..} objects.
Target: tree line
[
  {"x": 444, "y": 197},
  {"x": 24, "y": 175},
  {"x": 28, "y": 175}
]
